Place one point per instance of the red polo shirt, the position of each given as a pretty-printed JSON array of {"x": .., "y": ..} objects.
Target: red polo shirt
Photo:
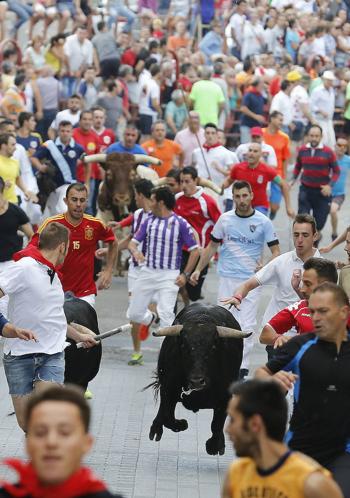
[
  {"x": 258, "y": 178},
  {"x": 90, "y": 143}
]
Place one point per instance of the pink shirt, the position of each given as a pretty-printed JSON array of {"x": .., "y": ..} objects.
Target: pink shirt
[{"x": 189, "y": 142}]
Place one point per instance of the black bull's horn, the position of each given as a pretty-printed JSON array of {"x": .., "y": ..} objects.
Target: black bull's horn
[
  {"x": 138, "y": 158},
  {"x": 222, "y": 332}
]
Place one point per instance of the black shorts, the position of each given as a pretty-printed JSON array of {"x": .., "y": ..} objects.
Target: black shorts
[{"x": 145, "y": 124}]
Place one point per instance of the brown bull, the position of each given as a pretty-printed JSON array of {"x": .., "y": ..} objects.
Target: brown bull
[{"x": 116, "y": 192}]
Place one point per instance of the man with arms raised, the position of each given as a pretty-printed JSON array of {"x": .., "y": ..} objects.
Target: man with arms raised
[
  {"x": 58, "y": 439},
  {"x": 258, "y": 414},
  {"x": 318, "y": 365}
]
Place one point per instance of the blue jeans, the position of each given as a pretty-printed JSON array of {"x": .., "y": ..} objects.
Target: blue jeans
[
  {"x": 69, "y": 86},
  {"x": 311, "y": 199},
  {"x": 245, "y": 134},
  {"x": 23, "y": 371},
  {"x": 22, "y": 11},
  {"x": 119, "y": 9}
]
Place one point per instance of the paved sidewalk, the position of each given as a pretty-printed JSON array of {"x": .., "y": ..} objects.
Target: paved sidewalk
[{"x": 123, "y": 455}]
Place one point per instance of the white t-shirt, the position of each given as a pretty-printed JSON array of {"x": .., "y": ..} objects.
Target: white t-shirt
[
  {"x": 219, "y": 156},
  {"x": 35, "y": 304},
  {"x": 150, "y": 90},
  {"x": 299, "y": 96},
  {"x": 65, "y": 115},
  {"x": 189, "y": 142},
  {"x": 268, "y": 154},
  {"x": 78, "y": 54},
  {"x": 282, "y": 103},
  {"x": 236, "y": 24},
  {"x": 278, "y": 273},
  {"x": 251, "y": 36}
]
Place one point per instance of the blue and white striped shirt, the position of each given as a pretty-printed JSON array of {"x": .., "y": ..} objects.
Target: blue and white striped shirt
[{"x": 165, "y": 238}]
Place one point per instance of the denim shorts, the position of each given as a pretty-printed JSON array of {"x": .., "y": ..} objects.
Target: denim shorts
[
  {"x": 23, "y": 371},
  {"x": 275, "y": 194}
]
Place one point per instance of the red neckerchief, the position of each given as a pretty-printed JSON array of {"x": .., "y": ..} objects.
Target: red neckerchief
[
  {"x": 252, "y": 89},
  {"x": 208, "y": 147},
  {"x": 33, "y": 252},
  {"x": 81, "y": 483}
]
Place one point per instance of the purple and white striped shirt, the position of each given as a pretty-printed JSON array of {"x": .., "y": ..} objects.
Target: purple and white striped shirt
[
  {"x": 165, "y": 238},
  {"x": 139, "y": 217}
]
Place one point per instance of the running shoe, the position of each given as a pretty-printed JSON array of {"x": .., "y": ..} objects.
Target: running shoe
[
  {"x": 88, "y": 394},
  {"x": 144, "y": 329},
  {"x": 136, "y": 359}
]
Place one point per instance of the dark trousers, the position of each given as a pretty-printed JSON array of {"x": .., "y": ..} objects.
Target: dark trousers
[
  {"x": 194, "y": 292},
  {"x": 44, "y": 124},
  {"x": 311, "y": 199},
  {"x": 340, "y": 468}
]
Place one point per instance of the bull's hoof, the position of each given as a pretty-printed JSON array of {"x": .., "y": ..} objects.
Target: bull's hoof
[
  {"x": 215, "y": 445},
  {"x": 178, "y": 425},
  {"x": 157, "y": 431}
]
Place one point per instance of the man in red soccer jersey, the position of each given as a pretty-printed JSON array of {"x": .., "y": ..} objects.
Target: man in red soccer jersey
[
  {"x": 258, "y": 174},
  {"x": 87, "y": 138},
  {"x": 316, "y": 271},
  {"x": 202, "y": 212},
  {"x": 106, "y": 137},
  {"x": 85, "y": 231}
]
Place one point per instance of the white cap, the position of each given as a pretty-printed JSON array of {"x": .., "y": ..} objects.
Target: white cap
[{"x": 328, "y": 75}]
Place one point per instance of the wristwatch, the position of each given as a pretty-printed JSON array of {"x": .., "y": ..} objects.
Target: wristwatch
[{"x": 187, "y": 274}]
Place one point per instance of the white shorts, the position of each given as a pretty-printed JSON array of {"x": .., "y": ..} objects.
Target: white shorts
[
  {"x": 133, "y": 275},
  {"x": 246, "y": 317},
  {"x": 151, "y": 283}
]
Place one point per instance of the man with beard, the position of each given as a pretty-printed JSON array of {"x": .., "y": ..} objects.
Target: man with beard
[
  {"x": 243, "y": 233},
  {"x": 257, "y": 422},
  {"x": 317, "y": 365}
]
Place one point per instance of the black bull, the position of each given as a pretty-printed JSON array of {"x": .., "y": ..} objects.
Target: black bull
[
  {"x": 82, "y": 365},
  {"x": 196, "y": 368}
]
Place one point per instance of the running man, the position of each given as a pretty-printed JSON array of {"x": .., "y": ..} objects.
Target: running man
[
  {"x": 258, "y": 414},
  {"x": 243, "y": 233},
  {"x": 318, "y": 366}
]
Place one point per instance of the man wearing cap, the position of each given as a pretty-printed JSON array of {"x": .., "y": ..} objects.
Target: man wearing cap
[
  {"x": 267, "y": 152},
  {"x": 301, "y": 104},
  {"x": 322, "y": 107}
]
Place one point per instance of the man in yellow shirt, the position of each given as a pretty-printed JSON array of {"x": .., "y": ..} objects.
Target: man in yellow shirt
[
  {"x": 258, "y": 415},
  {"x": 9, "y": 170}
]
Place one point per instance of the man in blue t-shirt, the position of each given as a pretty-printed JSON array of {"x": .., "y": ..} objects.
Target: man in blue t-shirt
[
  {"x": 252, "y": 109},
  {"x": 131, "y": 135},
  {"x": 242, "y": 233},
  {"x": 339, "y": 188}
]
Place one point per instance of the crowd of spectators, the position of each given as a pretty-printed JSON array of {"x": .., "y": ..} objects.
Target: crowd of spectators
[{"x": 147, "y": 65}]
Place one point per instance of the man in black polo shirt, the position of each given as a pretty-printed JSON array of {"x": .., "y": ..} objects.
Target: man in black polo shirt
[{"x": 318, "y": 365}]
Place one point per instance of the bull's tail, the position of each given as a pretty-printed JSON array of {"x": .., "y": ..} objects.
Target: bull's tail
[{"x": 156, "y": 387}]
